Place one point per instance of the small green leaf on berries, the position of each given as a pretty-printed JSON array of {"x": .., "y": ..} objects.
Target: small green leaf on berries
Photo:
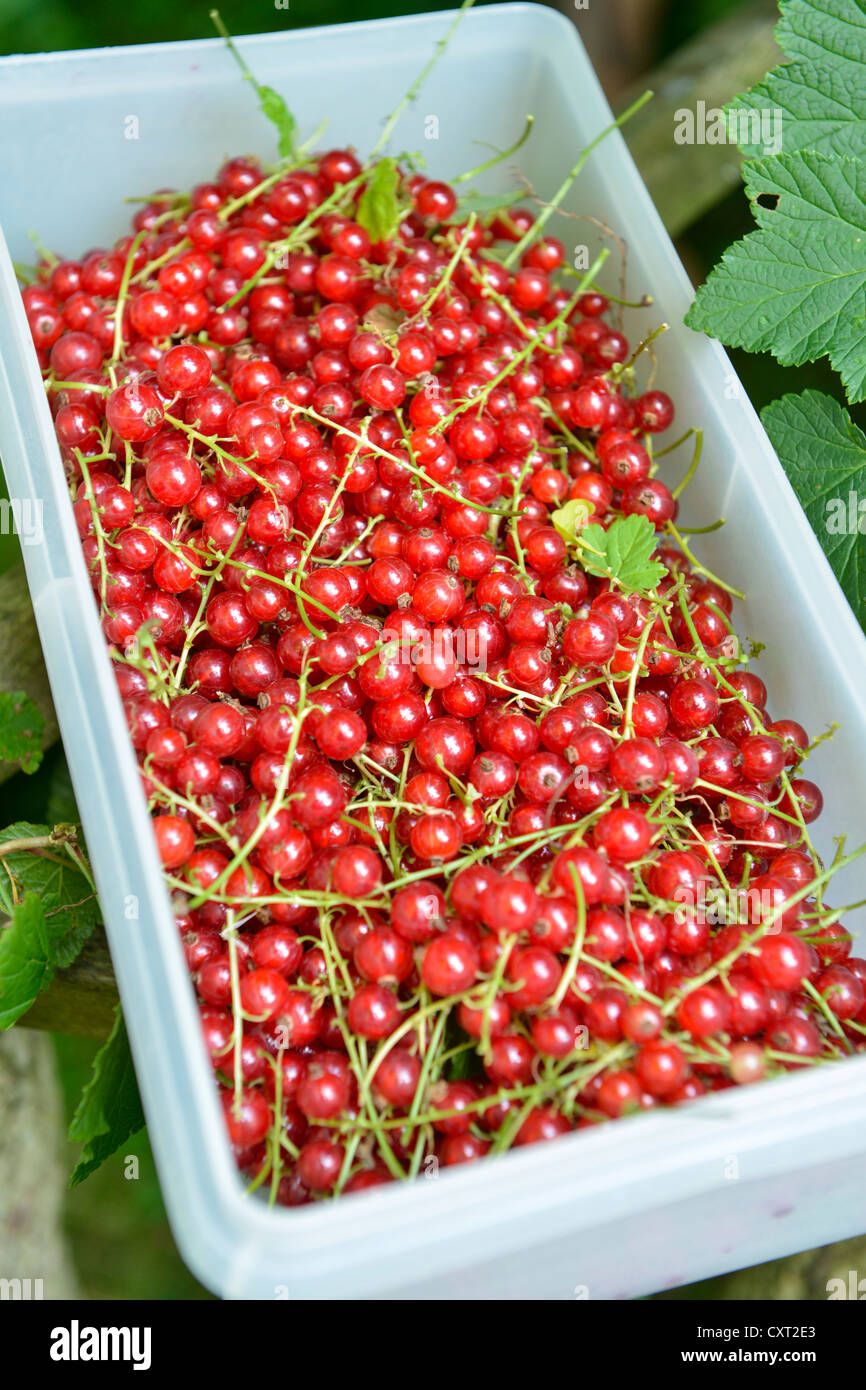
[
  {"x": 109, "y": 1111},
  {"x": 21, "y": 727},
  {"x": 622, "y": 553},
  {"x": 379, "y": 209},
  {"x": 274, "y": 107},
  {"x": 571, "y": 518}
]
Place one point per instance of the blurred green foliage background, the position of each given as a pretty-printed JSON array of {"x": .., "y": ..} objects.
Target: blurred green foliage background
[{"x": 120, "y": 1239}]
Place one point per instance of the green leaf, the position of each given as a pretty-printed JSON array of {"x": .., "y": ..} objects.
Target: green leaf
[
  {"x": 109, "y": 1110},
  {"x": 571, "y": 518},
  {"x": 797, "y": 287},
  {"x": 824, "y": 455},
  {"x": 379, "y": 209},
  {"x": 483, "y": 204},
  {"x": 21, "y": 727},
  {"x": 622, "y": 553},
  {"x": 821, "y": 96},
  {"x": 827, "y": 31},
  {"x": 819, "y": 109},
  {"x": 274, "y": 107},
  {"x": 26, "y": 964},
  {"x": 68, "y": 901}
]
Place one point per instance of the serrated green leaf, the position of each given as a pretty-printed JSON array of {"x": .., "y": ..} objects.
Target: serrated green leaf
[
  {"x": 483, "y": 204},
  {"x": 826, "y": 31},
  {"x": 26, "y": 966},
  {"x": 572, "y": 517},
  {"x": 824, "y": 455},
  {"x": 274, "y": 107},
  {"x": 622, "y": 553},
  {"x": 809, "y": 107},
  {"x": 821, "y": 96},
  {"x": 109, "y": 1111},
  {"x": 68, "y": 901},
  {"x": 21, "y": 727},
  {"x": 379, "y": 210},
  {"x": 797, "y": 287}
]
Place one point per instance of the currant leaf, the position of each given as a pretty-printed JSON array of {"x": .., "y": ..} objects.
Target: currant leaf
[
  {"x": 26, "y": 966},
  {"x": 832, "y": 31},
  {"x": 824, "y": 111},
  {"x": 622, "y": 553},
  {"x": 571, "y": 518},
  {"x": 824, "y": 455},
  {"x": 821, "y": 96},
  {"x": 109, "y": 1111},
  {"x": 21, "y": 727},
  {"x": 797, "y": 287},
  {"x": 68, "y": 902},
  {"x": 379, "y": 209},
  {"x": 274, "y": 107}
]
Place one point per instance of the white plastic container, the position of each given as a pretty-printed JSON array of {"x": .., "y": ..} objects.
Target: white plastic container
[{"x": 623, "y": 1210}]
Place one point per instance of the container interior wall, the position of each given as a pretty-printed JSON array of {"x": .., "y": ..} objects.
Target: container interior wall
[{"x": 94, "y": 128}]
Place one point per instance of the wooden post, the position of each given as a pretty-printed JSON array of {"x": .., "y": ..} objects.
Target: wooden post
[{"x": 32, "y": 1174}]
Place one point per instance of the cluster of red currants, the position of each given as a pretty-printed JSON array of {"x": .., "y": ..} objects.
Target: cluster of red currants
[{"x": 469, "y": 847}]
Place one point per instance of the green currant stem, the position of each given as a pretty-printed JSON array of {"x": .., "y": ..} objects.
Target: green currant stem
[
  {"x": 384, "y": 453},
  {"x": 260, "y": 91},
  {"x": 702, "y": 569},
  {"x": 549, "y": 208},
  {"x": 477, "y": 402},
  {"x": 413, "y": 91},
  {"x": 641, "y": 347},
  {"x": 246, "y": 850},
  {"x": 448, "y": 272},
  {"x": 828, "y": 1013},
  {"x": 702, "y": 530},
  {"x": 198, "y": 621},
  {"x": 576, "y": 951},
  {"x": 693, "y": 466},
  {"x": 122, "y": 293},
  {"x": 229, "y": 934},
  {"x": 275, "y": 1135},
  {"x": 498, "y": 158},
  {"x": 296, "y": 237},
  {"x": 97, "y": 526}
]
